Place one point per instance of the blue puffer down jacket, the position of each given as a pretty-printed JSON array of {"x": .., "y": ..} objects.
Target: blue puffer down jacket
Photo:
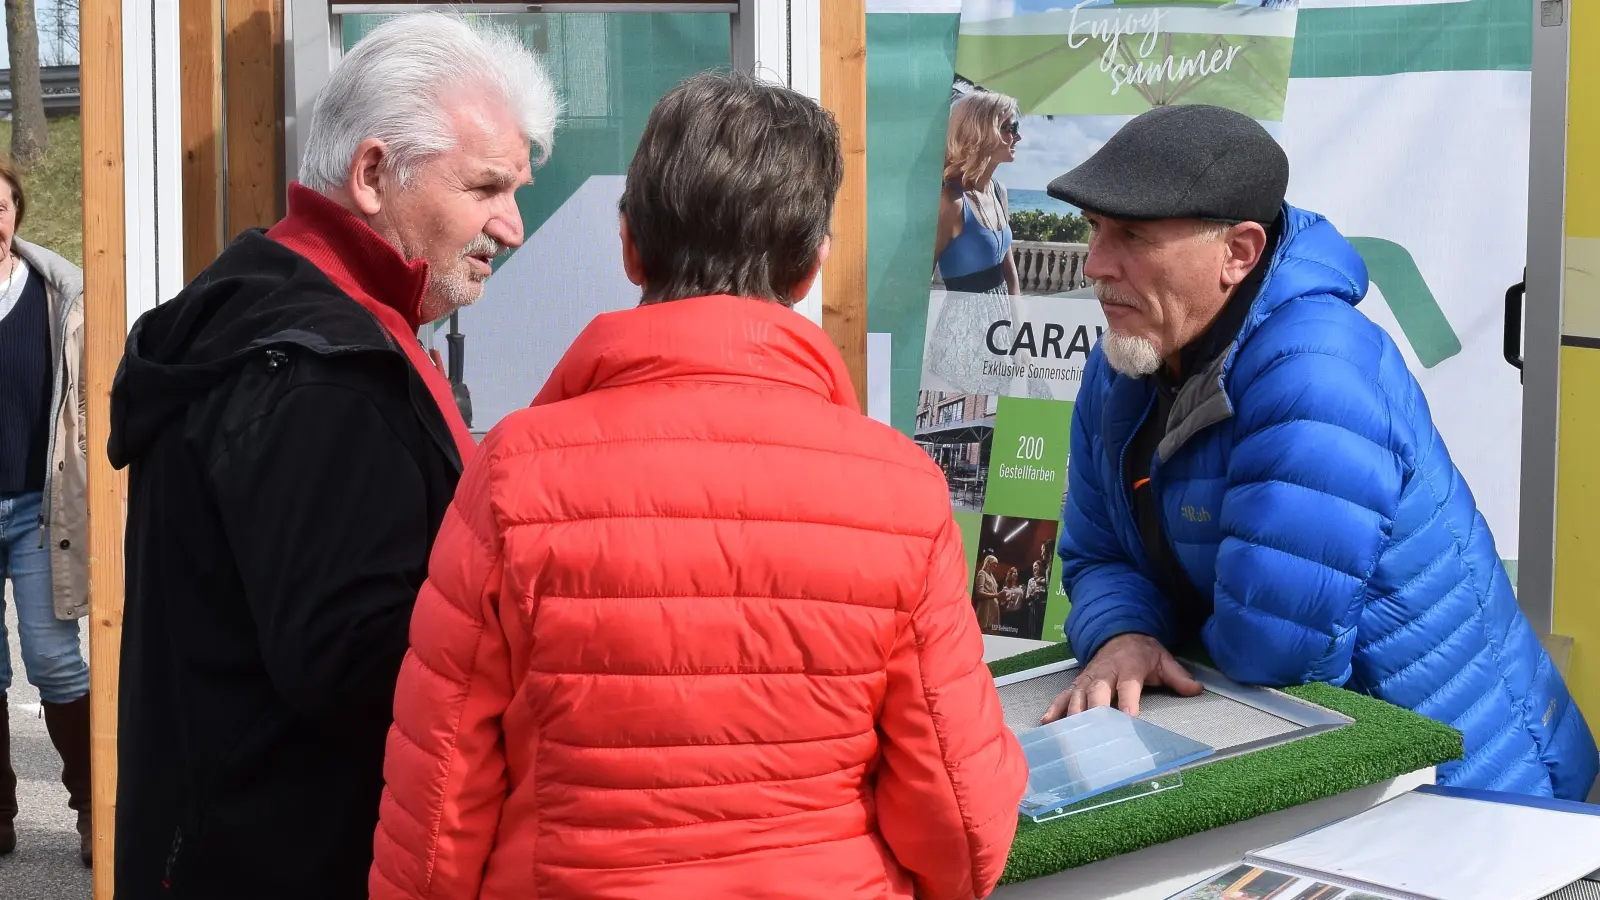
[{"x": 1301, "y": 479}]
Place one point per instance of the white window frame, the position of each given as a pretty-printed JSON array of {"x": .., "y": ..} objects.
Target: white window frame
[
  {"x": 779, "y": 40},
  {"x": 1541, "y": 331},
  {"x": 782, "y": 41},
  {"x": 152, "y": 154}
]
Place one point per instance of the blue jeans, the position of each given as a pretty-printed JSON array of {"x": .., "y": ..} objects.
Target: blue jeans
[{"x": 50, "y": 649}]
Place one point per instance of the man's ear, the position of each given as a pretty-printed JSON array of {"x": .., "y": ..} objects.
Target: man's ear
[
  {"x": 1245, "y": 243},
  {"x": 366, "y": 181},
  {"x": 632, "y": 265},
  {"x": 803, "y": 286}
]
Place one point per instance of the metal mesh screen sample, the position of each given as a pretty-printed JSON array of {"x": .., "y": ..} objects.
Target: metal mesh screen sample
[
  {"x": 1211, "y": 719},
  {"x": 1578, "y": 890}
]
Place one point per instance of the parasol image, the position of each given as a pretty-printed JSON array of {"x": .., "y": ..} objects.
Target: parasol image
[{"x": 1125, "y": 57}]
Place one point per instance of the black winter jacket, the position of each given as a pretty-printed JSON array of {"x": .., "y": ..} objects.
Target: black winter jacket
[{"x": 288, "y": 471}]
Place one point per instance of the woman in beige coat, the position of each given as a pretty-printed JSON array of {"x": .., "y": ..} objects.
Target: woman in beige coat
[{"x": 43, "y": 502}]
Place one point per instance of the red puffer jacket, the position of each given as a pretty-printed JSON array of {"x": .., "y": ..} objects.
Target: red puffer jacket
[{"x": 695, "y": 628}]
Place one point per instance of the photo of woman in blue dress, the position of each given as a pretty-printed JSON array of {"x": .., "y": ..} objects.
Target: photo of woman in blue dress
[{"x": 972, "y": 248}]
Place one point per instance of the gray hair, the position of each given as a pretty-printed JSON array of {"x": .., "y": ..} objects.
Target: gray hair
[{"x": 393, "y": 85}]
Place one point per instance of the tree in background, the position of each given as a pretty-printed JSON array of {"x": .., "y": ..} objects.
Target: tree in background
[
  {"x": 58, "y": 33},
  {"x": 1055, "y": 228},
  {"x": 29, "y": 137}
]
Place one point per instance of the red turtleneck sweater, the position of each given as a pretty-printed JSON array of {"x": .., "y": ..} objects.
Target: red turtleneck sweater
[{"x": 375, "y": 275}]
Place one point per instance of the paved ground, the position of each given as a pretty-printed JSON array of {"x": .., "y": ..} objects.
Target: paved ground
[{"x": 45, "y": 866}]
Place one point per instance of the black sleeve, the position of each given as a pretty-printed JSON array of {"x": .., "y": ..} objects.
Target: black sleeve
[{"x": 326, "y": 512}]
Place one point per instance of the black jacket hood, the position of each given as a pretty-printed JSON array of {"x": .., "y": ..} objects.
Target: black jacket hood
[{"x": 256, "y": 295}]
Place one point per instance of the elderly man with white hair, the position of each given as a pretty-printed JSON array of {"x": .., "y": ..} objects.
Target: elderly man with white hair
[{"x": 292, "y": 451}]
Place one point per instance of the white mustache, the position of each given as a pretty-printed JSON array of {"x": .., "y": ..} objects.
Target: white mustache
[
  {"x": 483, "y": 245},
  {"x": 1111, "y": 296}
]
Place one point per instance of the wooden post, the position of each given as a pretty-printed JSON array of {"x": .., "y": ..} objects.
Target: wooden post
[
  {"x": 245, "y": 127},
  {"x": 201, "y": 111},
  {"x": 105, "y": 332},
  {"x": 844, "y": 93},
  {"x": 253, "y": 107}
]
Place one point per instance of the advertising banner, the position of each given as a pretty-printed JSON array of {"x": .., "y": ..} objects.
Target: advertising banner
[
  {"x": 1011, "y": 318},
  {"x": 1405, "y": 123}
]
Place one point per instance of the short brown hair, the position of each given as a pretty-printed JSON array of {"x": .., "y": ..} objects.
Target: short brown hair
[
  {"x": 732, "y": 188},
  {"x": 15, "y": 180}
]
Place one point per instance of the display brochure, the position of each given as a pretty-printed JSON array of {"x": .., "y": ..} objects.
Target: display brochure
[
  {"x": 1011, "y": 318},
  {"x": 1248, "y": 882},
  {"x": 1433, "y": 843}
]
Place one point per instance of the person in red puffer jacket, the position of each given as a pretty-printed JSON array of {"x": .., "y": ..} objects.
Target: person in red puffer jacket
[{"x": 694, "y": 627}]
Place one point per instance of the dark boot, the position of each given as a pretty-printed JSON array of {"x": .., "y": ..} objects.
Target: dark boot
[
  {"x": 68, "y": 724},
  {"x": 8, "y": 784}
]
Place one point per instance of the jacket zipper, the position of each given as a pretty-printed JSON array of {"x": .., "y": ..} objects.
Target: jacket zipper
[
  {"x": 172, "y": 858},
  {"x": 1181, "y": 583},
  {"x": 1122, "y": 469}
]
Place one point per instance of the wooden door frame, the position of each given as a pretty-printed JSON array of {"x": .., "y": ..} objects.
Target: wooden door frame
[{"x": 243, "y": 125}]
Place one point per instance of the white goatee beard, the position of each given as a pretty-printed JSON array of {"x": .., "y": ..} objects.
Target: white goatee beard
[
  {"x": 457, "y": 289},
  {"x": 1130, "y": 355}
]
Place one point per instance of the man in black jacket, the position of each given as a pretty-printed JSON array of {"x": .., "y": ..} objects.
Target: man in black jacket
[{"x": 292, "y": 450}]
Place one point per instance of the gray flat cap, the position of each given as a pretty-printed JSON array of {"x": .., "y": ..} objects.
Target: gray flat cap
[{"x": 1182, "y": 162}]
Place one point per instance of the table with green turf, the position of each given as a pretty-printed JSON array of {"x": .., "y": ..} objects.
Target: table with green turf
[{"x": 1153, "y": 846}]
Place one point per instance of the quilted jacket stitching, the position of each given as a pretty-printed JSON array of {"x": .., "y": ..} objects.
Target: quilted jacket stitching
[
  {"x": 927, "y": 699},
  {"x": 1321, "y": 564},
  {"x": 732, "y": 782},
  {"x": 760, "y": 742},
  {"x": 1431, "y": 567},
  {"x": 1260, "y": 611},
  {"x": 1436, "y": 648},
  {"x": 1306, "y": 487},
  {"x": 460, "y": 710},
  {"x": 1414, "y": 624},
  {"x": 646, "y": 867},
  {"x": 718, "y": 440},
  {"x": 1295, "y": 420},
  {"x": 711, "y": 673},
  {"x": 668, "y": 829},
  {"x": 1519, "y": 706},
  {"x": 518, "y": 522},
  {"x": 743, "y": 598},
  {"x": 1422, "y": 527}
]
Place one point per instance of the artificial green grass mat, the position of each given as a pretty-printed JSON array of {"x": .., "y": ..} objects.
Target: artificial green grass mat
[
  {"x": 1383, "y": 742},
  {"x": 1033, "y": 659}
]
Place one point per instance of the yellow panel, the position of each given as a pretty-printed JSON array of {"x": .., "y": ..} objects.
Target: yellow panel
[
  {"x": 1577, "y": 581},
  {"x": 1577, "y": 606},
  {"x": 1580, "y": 295},
  {"x": 1583, "y": 121}
]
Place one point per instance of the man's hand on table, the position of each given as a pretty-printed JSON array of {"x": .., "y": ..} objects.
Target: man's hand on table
[{"x": 1124, "y": 667}]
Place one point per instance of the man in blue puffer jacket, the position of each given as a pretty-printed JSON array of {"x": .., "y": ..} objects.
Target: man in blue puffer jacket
[{"x": 1253, "y": 463}]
